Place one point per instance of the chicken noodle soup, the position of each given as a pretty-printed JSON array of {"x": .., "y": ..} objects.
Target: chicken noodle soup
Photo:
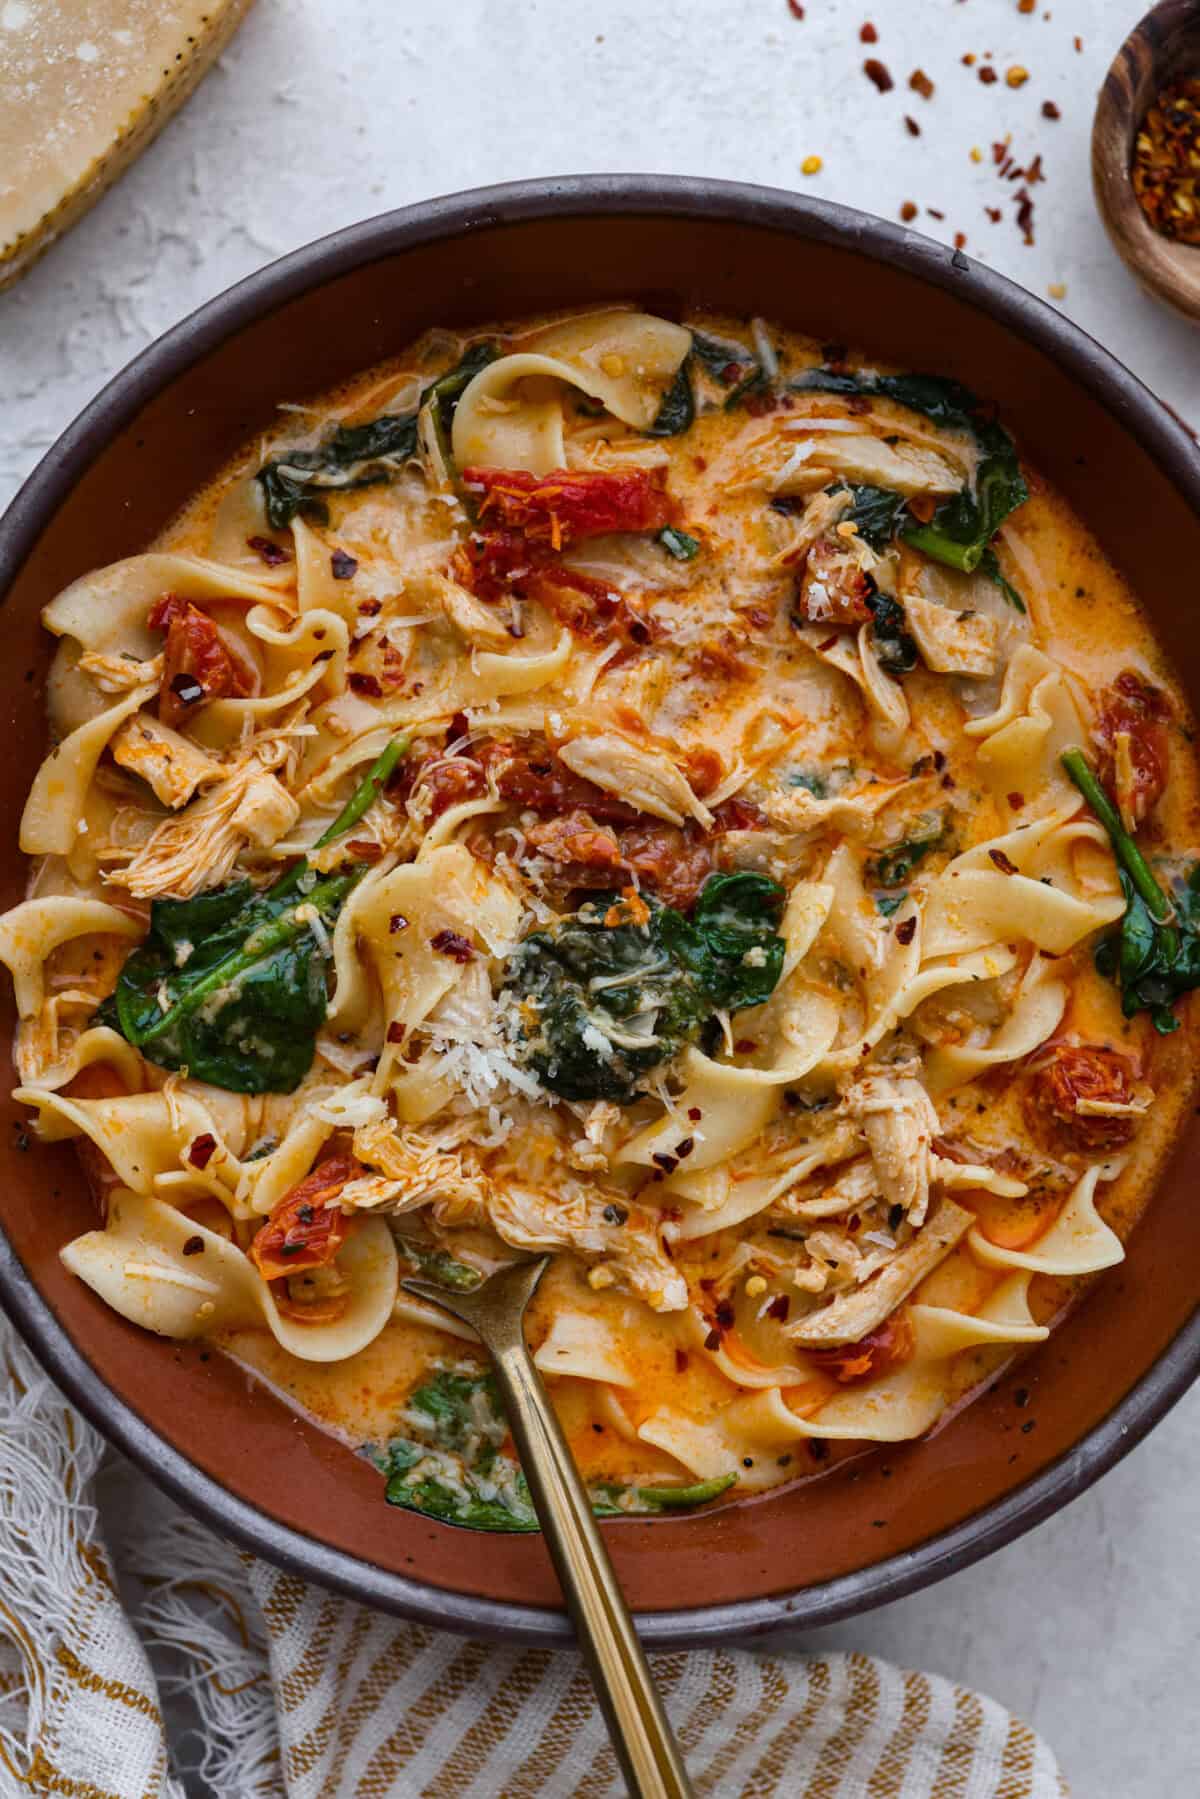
[{"x": 676, "y": 796}]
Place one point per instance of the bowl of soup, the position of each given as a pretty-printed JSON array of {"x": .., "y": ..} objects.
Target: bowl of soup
[{"x": 641, "y": 720}]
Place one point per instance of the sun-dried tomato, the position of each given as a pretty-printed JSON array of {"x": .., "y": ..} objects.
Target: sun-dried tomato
[
  {"x": 1140, "y": 713},
  {"x": 530, "y": 775},
  {"x": 1072, "y": 1074},
  {"x": 880, "y": 1350},
  {"x": 306, "y": 1228},
  {"x": 833, "y": 589},
  {"x": 198, "y": 664},
  {"x": 569, "y": 504}
]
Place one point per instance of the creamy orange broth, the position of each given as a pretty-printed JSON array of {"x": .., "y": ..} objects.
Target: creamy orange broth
[{"x": 1083, "y": 616}]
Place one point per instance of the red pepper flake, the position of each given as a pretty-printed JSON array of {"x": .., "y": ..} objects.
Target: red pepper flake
[
  {"x": 868, "y": 34},
  {"x": 934, "y": 213},
  {"x": 779, "y": 1308},
  {"x": 908, "y": 211},
  {"x": 397, "y": 922},
  {"x": 369, "y": 608},
  {"x": 987, "y": 75},
  {"x": 1025, "y": 214},
  {"x": 795, "y": 8},
  {"x": 879, "y": 73},
  {"x": 745, "y": 1046},
  {"x": 272, "y": 553},
  {"x": 920, "y": 83},
  {"x": 911, "y": 126},
  {"x": 994, "y": 214},
  {"x": 1035, "y": 172},
  {"x": 970, "y": 59},
  {"x": 449, "y": 943},
  {"x": 695, "y": 1114},
  {"x": 366, "y": 685},
  {"x": 343, "y": 565},
  {"x": 194, "y": 1246},
  {"x": 186, "y": 689},
  {"x": 906, "y": 930},
  {"x": 1050, "y": 110},
  {"x": 1166, "y": 162},
  {"x": 1002, "y": 862},
  {"x": 668, "y": 1164},
  {"x": 1026, "y": 5},
  {"x": 960, "y": 240},
  {"x": 364, "y": 849},
  {"x": 827, "y": 644},
  {"x": 713, "y": 1340},
  {"x": 1079, "y": 46},
  {"x": 684, "y": 1147},
  {"x": 681, "y": 1361},
  {"x": 1016, "y": 801},
  {"x": 201, "y": 1150}
]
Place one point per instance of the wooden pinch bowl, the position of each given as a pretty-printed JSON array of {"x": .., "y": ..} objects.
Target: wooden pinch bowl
[
  {"x": 1164, "y": 46},
  {"x": 866, "y": 1531}
]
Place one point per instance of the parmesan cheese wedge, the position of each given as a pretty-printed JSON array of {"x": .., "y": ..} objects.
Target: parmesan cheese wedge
[{"x": 84, "y": 87}]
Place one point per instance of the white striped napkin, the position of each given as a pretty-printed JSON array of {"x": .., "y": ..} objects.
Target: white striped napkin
[{"x": 277, "y": 1690}]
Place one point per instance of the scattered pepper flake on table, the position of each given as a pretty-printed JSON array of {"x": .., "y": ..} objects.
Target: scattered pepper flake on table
[
  {"x": 879, "y": 73},
  {"x": 1166, "y": 162},
  {"x": 811, "y": 165},
  {"x": 1017, "y": 76},
  {"x": 911, "y": 126},
  {"x": 908, "y": 211},
  {"x": 1050, "y": 110},
  {"x": 987, "y": 74},
  {"x": 920, "y": 83},
  {"x": 1057, "y": 290},
  {"x": 868, "y": 34},
  {"x": 796, "y": 10},
  {"x": 1026, "y": 5}
]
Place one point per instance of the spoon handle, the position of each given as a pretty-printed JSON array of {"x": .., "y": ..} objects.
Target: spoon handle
[{"x": 641, "y": 1735}]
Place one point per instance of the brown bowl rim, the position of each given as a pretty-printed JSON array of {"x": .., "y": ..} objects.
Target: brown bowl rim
[{"x": 1139, "y": 412}]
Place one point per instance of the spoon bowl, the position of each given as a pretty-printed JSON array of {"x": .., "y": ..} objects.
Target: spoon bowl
[{"x": 1164, "y": 46}]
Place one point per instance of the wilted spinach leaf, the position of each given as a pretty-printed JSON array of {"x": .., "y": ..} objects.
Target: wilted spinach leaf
[
  {"x": 875, "y": 510},
  {"x": 452, "y": 1466},
  {"x": 231, "y": 983},
  {"x": 603, "y": 1004},
  {"x": 726, "y": 363},
  {"x": 678, "y": 410},
  {"x": 1154, "y": 955},
  {"x": 895, "y": 648},
  {"x": 963, "y": 526},
  {"x": 296, "y": 481}
]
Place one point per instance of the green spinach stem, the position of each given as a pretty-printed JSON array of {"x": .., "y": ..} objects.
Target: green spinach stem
[
  {"x": 1127, "y": 852},
  {"x": 273, "y": 935},
  {"x": 377, "y": 776}
]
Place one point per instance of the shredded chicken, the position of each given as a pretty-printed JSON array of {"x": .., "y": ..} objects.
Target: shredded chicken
[
  {"x": 174, "y": 768},
  {"x": 955, "y": 643},
  {"x": 898, "y": 1120},
  {"x": 849, "y": 1317},
  {"x": 199, "y": 847},
  {"x": 904, "y": 468},
  {"x": 647, "y": 779},
  {"x": 120, "y": 674}
]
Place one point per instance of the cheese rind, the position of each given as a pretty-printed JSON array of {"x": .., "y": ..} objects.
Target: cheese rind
[{"x": 84, "y": 87}]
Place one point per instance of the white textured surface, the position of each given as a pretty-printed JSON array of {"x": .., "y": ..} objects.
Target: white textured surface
[{"x": 325, "y": 111}]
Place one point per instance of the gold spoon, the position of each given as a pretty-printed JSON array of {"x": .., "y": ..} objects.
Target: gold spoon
[{"x": 641, "y": 1736}]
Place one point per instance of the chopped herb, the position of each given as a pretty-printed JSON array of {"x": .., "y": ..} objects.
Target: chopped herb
[
  {"x": 678, "y": 543},
  {"x": 894, "y": 865},
  {"x": 1154, "y": 955},
  {"x": 887, "y": 903}
]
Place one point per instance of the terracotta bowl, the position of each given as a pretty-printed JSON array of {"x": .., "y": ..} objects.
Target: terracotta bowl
[{"x": 895, "y": 1520}]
